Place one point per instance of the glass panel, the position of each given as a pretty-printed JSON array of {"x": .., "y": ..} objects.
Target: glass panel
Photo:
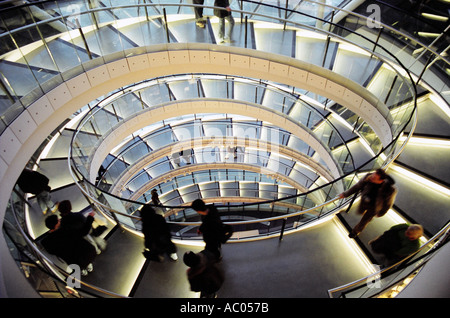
[
  {"x": 184, "y": 89},
  {"x": 215, "y": 89},
  {"x": 117, "y": 32},
  {"x": 138, "y": 181}
]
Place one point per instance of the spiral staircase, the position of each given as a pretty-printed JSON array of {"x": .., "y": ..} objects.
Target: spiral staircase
[{"x": 310, "y": 101}]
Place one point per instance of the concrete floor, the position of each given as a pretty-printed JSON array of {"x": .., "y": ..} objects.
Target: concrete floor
[{"x": 303, "y": 265}]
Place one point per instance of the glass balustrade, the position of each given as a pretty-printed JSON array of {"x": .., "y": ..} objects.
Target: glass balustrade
[
  {"x": 50, "y": 276},
  {"x": 164, "y": 167},
  {"x": 102, "y": 121},
  {"x": 58, "y": 40},
  {"x": 389, "y": 281},
  {"x": 97, "y": 35},
  {"x": 62, "y": 39},
  {"x": 165, "y": 135}
]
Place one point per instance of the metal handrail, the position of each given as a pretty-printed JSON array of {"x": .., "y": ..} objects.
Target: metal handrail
[
  {"x": 240, "y": 11},
  {"x": 443, "y": 231},
  {"x": 436, "y": 54},
  {"x": 351, "y": 13},
  {"x": 45, "y": 260},
  {"x": 179, "y": 4},
  {"x": 280, "y": 19},
  {"x": 334, "y": 8},
  {"x": 260, "y": 220},
  {"x": 245, "y": 222},
  {"x": 226, "y": 78}
]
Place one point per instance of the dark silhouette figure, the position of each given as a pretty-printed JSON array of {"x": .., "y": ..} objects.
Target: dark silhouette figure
[
  {"x": 377, "y": 197},
  {"x": 157, "y": 238},
  {"x": 36, "y": 183},
  {"x": 204, "y": 276},
  {"x": 211, "y": 228},
  {"x": 398, "y": 242},
  {"x": 77, "y": 224},
  {"x": 155, "y": 198},
  {"x": 72, "y": 249},
  {"x": 157, "y": 202}
]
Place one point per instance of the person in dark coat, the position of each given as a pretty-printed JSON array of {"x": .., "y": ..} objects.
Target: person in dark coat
[
  {"x": 75, "y": 222},
  {"x": 211, "y": 227},
  {"x": 156, "y": 201},
  {"x": 377, "y": 197},
  {"x": 155, "y": 198},
  {"x": 203, "y": 275},
  {"x": 78, "y": 224},
  {"x": 223, "y": 14},
  {"x": 36, "y": 183},
  {"x": 157, "y": 238},
  {"x": 72, "y": 249},
  {"x": 400, "y": 241}
]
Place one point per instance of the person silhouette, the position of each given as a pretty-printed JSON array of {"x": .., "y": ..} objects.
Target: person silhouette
[
  {"x": 377, "y": 197},
  {"x": 224, "y": 14},
  {"x": 157, "y": 238}
]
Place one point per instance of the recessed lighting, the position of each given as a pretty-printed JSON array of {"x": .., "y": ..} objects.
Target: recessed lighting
[
  {"x": 434, "y": 17},
  {"x": 428, "y": 34},
  {"x": 422, "y": 180},
  {"x": 433, "y": 142}
]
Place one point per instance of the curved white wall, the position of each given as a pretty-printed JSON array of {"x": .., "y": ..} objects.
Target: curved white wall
[
  {"x": 174, "y": 109},
  {"x": 125, "y": 177},
  {"x": 19, "y": 140}
]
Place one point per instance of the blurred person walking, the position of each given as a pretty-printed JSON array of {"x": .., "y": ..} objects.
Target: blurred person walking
[
  {"x": 157, "y": 238},
  {"x": 377, "y": 197},
  {"x": 79, "y": 225},
  {"x": 204, "y": 275},
  {"x": 31, "y": 181},
  {"x": 398, "y": 242},
  {"x": 212, "y": 228},
  {"x": 72, "y": 249},
  {"x": 224, "y": 14}
]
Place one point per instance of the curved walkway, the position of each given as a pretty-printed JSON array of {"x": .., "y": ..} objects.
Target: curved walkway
[{"x": 304, "y": 264}]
